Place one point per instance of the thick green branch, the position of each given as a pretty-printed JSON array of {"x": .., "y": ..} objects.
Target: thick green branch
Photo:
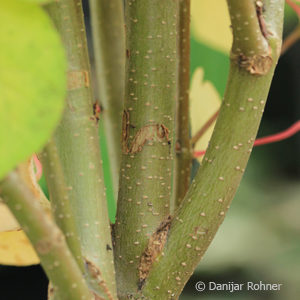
[
  {"x": 182, "y": 172},
  {"x": 47, "y": 239},
  {"x": 77, "y": 145},
  {"x": 109, "y": 51},
  {"x": 148, "y": 130},
  {"x": 196, "y": 222}
]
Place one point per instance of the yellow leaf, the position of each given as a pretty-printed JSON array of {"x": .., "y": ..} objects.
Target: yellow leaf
[
  {"x": 211, "y": 23},
  {"x": 7, "y": 220},
  {"x": 204, "y": 102},
  {"x": 15, "y": 249}
]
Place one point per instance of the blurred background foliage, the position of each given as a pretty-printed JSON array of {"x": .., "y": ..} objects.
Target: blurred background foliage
[{"x": 259, "y": 239}]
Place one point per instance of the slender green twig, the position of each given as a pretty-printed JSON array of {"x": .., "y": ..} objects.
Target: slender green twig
[
  {"x": 109, "y": 51},
  {"x": 77, "y": 145},
  {"x": 60, "y": 199},
  {"x": 183, "y": 161},
  {"x": 148, "y": 130},
  {"x": 204, "y": 207},
  {"x": 47, "y": 239}
]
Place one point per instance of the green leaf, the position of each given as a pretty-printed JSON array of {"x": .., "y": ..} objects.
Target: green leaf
[
  {"x": 211, "y": 40},
  {"x": 38, "y": 1},
  {"x": 32, "y": 81},
  {"x": 215, "y": 64}
]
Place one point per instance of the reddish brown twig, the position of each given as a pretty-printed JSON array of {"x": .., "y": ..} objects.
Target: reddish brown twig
[
  {"x": 268, "y": 139},
  {"x": 204, "y": 128},
  {"x": 294, "y": 6}
]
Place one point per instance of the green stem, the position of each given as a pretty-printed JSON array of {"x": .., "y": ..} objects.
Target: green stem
[
  {"x": 196, "y": 222},
  {"x": 183, "y": 162},
  {"x": 148, "y": 130},
  {"x": 47, "y": 239},
  {"x": 60, "y": 199},
  {"x": 109, "y": 51},
  {"x": 77, "y": 144},
  {"x": 246, "y": 27}
]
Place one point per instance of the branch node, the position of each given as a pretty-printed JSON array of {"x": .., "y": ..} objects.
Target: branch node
[{"x": 255, "y": 65}]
